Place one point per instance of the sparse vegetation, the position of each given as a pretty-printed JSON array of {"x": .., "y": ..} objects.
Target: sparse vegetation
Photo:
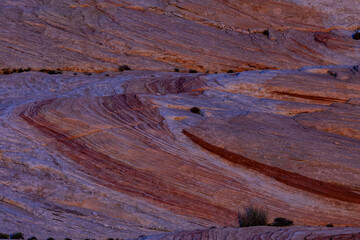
[
  {"x": 195, "y": 110},
  {"x": 176, "y": 70},
  {"x": 123, "y": 68},
  {"x": 329, "y": 225},
  {"x": 266, "y": 33},
  {"x": 252, "y": 216},
  {"x": 51, "y": 71},
  {"x": 281, "y": 222},
  {"x": 192, "y": 71},
  {"x": 51, "y": 238},
  {"x": 14, "y": 70},
  {"x": 87, "y": 73},
  {"x": 32, "y": 238},
  {"x": 18, "y": 235},
  {"x": 356, "y": 36},
  {"x": 54, "y": 72},
  {"x": 230, "y": 71},
  {"x": 4, "y": 236},
  {"x": 6, "y": 71}
]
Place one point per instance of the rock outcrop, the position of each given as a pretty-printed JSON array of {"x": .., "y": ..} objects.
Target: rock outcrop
[
  {"x": 124, "y": 155},
  {"x": 162, "y": 35},
  {"x": 259, "y": 233},
  {"x": 87, "y": 151}
]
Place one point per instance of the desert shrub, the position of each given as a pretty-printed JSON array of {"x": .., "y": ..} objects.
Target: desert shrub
[
  {"x": 58, "y": 71},
  {"x": 68, "y": 239},
  {"x": 54, "y": 72},
  {"x": 192, "y": 71},
  {"x": 266, "y": 33},
  {"x": 252, "y": 216},
  {"x": 123, "y": 68},
  {"x": 176, "y": 70},
  {"x": 329, "y": 225},
  {"x": 356, "y": 36},
  {"x": 27, "y": 69},
  {"x": 6, "y": 71},
  {"x": 32, "y": 238},
  {"x": 4, "y": 236},
  {"x": 195, "y": 110},
  {"x": 230, "y": 71},
  {"x": 18, "y": 235},
  {"x": 51, "y": 238},
  {"x": 87, "y": 73},
  {"x": 281, "y": 222},
  {"x": 107, "y": 75}
]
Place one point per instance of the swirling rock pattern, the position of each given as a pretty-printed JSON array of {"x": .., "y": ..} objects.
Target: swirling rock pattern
[
  {"x": 97, "y": 153},
  {"x": 123, "y": 155}
]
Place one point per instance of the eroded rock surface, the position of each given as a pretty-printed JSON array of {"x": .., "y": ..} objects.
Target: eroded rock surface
[
  {"x": 259, "y": 233},
  {"x": 122, "y": 155},
  {"x": 87, "y": 151},
  {"x": 206, "y": 35}
]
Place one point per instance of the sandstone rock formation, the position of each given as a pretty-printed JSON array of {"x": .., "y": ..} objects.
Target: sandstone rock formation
[
  {"x": 97, "y": 153},
  {"x": 258, "y": 233},
  {"x": 122, "y": 154},
  {"x": 206, "y": 35}
]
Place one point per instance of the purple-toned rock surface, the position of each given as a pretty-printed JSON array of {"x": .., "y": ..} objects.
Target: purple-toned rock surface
[
  {"x": 87, "y": 151},
  {"x": 122, "y": 155}
]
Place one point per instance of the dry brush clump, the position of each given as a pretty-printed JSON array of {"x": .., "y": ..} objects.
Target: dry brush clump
[{"x": 252, "y": 216}]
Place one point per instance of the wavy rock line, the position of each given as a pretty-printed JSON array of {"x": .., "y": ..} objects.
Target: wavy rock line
[
  {"x": 118, "y": 175},
  {"x": 330, "y": 190}
]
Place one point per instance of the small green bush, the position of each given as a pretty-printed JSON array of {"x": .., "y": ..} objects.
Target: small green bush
[
  {"x": 4, "y": 236},
  {"x": 252, "y": 216},
  {"x": 18, "y": 235}
]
